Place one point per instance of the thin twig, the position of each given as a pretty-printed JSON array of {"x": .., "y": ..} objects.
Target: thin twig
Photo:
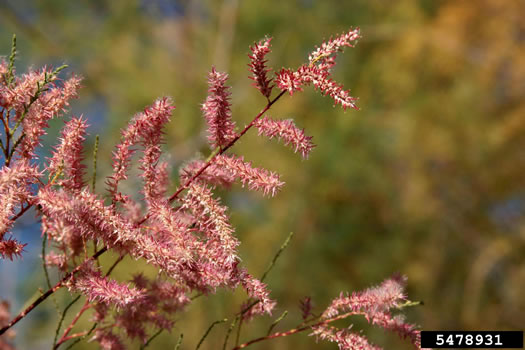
[
  {"x": 64, "y": 337},
  {"x": 196, "y": 296},
  {"x": 114, "y": 265},
  {"x": 17, "y": 142},
  {"x": 145, "y": 345},
  {"x": 240, "y": 317},
  {"x": 83, "y": 337},
  {"x": 93, "y": 184},
  {"x": 179, "y": 342},
  {"x": 7, "y": 149},
  {"x": 44, "y": 240},
  {"x": 274, "y": 323},
  {"x": 270, "y": 267},
  {"x": 75, "y": 335},
  {"x": 66, "y": 309},
  {"x": 409, "y": 303},
  {"x": 276, "y": 256},
  {"x": 46, "y": 273},
  {"x": 297, "y": 330},
  {"x": 228, "y": 332},
  {"x": 208, "y": 332},
  {"x": 5, "y": 120},
  {"x": 239, "y": 327},
  {"x": 21, "y": 212}
]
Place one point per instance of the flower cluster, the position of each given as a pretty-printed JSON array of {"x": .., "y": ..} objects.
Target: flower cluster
[
  {"x": 27, "y": 103},
  {"x": 216, "y": 108},
  {"x": 146, "y": 129},
  {"x": 288, "y": 132},
  {"x": 324, "y": 56},
  {"x": 212, "y": 175},
  {"x": 344, "y": 338},
  {"x": 104, "y": 290},
  {"x": 256, "y": 178},
  {"x": 15, "y": 193},
  {"x": 43, "y": 109},
  {"x": 258, "y": 67},
  {"x": 186, "y": 236},
  {"x": 317, "y": 71},
  {"x": 67, "y": 158},
  {"x": 375, "y": 304}
]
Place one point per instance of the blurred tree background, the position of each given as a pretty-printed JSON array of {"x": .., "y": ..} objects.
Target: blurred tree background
[{"x": 427, "y": 179}]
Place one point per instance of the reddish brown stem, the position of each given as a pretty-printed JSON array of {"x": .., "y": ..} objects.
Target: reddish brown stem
[
  {"x": 49, "y": 292},
  {"x": 74, "y": 335},
  {"x": 296, "y": 330},
  {"x": 21, "y": 212},
  {"x": 64, "y": 337},
  {"x": 31, "y": 307}
]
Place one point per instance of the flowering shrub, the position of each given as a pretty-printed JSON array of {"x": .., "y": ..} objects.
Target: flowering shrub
[{"x": 186, "y": 235}]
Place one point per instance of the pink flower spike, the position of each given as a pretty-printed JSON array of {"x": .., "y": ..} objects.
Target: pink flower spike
[
  {"x": 25, "y": 87},
  {"x": 67, "y": 157},
  {"x": 211, "y": 219},
  {"x": 291, "y": 81},
  {"x": 397, "y": 325},
  {"x": 146, "y": 127},
  {"x": 213, "y": 175},
  {"x": 256, "y": 178},
  {"x": 258, "y": 67},
  {"x": 323, "y": 56},
  {"x": 15, "y": 190},
  {"x": 216, "y": 108},
  {"x": 10, "y": 248},
  {"x": 18, "y": 174},
  {"x": 48, "y": 106},
  {"x": 150, "y": 172},
  {"x": 345, "y": 339},
  {"x": 306, "y": 307},
  {"x": 317, "y": 72},
  {"x": 383, "y": 297},
  {"x": 334, "y": 90},
  {"x": 257, "y": 290},
  {"x": 286, "y": 131},
  {"x": 162, "y": 179}
]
